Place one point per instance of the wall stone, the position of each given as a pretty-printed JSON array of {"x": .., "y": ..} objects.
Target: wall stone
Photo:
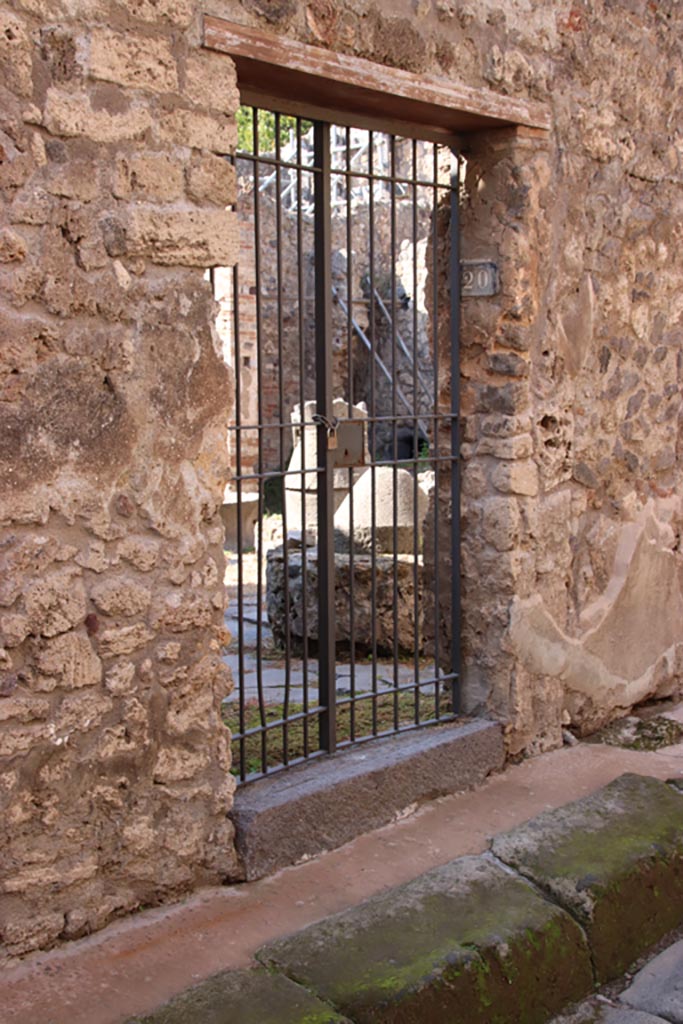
[{"x": 114, "y": 400}]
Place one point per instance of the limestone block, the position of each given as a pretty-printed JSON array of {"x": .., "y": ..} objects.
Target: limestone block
[
  {"x": 71, "y": 114},
  {"x": 68, "y": 661},
  {"x": 180, "y": 611},
  {"x": 519, "y": 447},
  {"x": 120, "y": 678},
  {"x": 123, "y": 639},
  {"x": 211, "y": 179},
  {"x": 13, "y": 247},
  {"x": 22, "y": 708},
  {"x": 175, "y": 764},
  {"x": 180, "y": 127},
  {"x": 394, "y": 490},
  {"x": 120, "y": 597},
  {"x": 139, "y": 62},
  {"x": 501, "y": 523},
  {"x": 14, "y": 628},
  {"x": 196, "y": 238},
  {"x": 19, "y": 740},
  {"x": 80, "y": 711},
  {"x": 56, "y": 603},
  {"x": 516, "y": 478},
  {"x": 211, "y": 81},
  {"x": 176, "y": 12},
  {"x": 16, "y": 63},
  {"x": 140, "y": 552},
  {"x": 148, "y": 176}
]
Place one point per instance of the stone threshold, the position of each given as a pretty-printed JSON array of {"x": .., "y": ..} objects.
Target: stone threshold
[
  {"x": 320, "y": 805},
  {"x": 555, "y": 908}
]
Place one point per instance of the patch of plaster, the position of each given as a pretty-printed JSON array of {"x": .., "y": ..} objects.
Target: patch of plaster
[{"x": 615, "y": 663}]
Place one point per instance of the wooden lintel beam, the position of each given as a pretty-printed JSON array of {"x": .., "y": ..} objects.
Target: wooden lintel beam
[{"x": 301, "y": 75}]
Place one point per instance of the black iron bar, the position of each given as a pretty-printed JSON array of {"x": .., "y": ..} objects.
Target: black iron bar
[
  {"x": 325, "y": 492},
  {"x": 373, "y": 409},
  {"x": 240, "y": 540},
  {"x": 302, "y": 403},
  {"x": 416, "y": 524},
  {"x": 349, "y": 347},
  {"x": 454, "y": 256},
  {"x": 283, "y": 427},
  {"x": 442, "y": 414},
  {"x": 394, "y": 426},
  {"x": 259, "y": 385},
  {"x": 436, "y": 438},
  {"x": 341, "y": 172}
]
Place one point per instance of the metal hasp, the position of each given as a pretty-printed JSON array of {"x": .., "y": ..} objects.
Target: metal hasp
[{"x": 341, "y": 326}]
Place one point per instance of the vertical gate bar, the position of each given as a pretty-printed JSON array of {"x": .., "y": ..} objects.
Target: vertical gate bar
[
  {"x": 416, "y": 465},
  {"x": 323, "y": 354},
  {"x": 259, "y": 385},
  {"x": 455, "y": 430},
  {"x": 281, "y": 430},
  {"x": 302, "y": 403},
  {"x": 349, "y": 348},
  {"x": 240, "y": 545},
  {"x": 436, "y": 421},
  {"x": 394, "y": 415},
  {"x": 373, "y": 413}
]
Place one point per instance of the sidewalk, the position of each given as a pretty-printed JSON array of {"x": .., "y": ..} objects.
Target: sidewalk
[{"x": 141, "y": 962}]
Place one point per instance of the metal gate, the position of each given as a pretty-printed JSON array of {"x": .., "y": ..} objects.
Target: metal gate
[{"x": 340, "y": 323}]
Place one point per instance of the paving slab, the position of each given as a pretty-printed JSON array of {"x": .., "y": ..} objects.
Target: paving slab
[
  {"x": 469, "y": 941},
  {"x": 613, "y": 859},
  {"x": 244, "y": 997},
  {"x": 595, "y": 1012},
  {"x": 658, "y": 987}
]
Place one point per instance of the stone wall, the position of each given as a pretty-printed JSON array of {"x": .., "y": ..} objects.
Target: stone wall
[
  {"x": 115, "y": 401},
  {"x": 114, "y": 780}
]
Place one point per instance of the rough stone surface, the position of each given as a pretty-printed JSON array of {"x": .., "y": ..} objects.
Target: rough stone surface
[
  {"x": 614, "y": 860},
  {"x": 466, "y": 941},
  {"x": 596, "y": 1012},
  {"x": 658, "y": 987},
  {"x": 245, "y": 997},
  {"x": 321, "y": 806},
  {"x": 368, "y": 590},
  {"x": 114, "y": 404}
]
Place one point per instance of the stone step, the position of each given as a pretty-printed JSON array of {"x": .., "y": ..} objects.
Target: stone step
[
  {"x": 468, "y": 942},
  {"x": 244, "y": 997},
  {"x": 331, "y": 800},
  {"x": 614, "y": 860}
]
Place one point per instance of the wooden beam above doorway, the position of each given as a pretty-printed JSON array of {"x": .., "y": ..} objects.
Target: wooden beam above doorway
[{"x": 302, "y": 79}]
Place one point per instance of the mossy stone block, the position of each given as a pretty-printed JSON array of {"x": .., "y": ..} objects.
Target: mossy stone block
[
  {"x": 614, "y": 860},
  {"x": 468, "y": 942},
  {"x": 244, "y": 997}
]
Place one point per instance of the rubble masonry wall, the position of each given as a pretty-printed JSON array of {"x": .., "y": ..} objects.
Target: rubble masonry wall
[{"x": 114, "y": 403}]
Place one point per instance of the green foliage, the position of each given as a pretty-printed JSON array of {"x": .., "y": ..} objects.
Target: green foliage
[{"x": 266, "y": 129}]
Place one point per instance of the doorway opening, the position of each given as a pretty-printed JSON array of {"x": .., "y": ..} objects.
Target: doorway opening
[{"x": 340, "y": 323}]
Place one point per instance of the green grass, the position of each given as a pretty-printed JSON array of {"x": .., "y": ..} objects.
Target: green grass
[{"x": 384, "y": 718}]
